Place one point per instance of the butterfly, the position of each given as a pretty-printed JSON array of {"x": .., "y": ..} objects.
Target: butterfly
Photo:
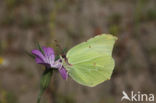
[{"x": 90, "y": 63}]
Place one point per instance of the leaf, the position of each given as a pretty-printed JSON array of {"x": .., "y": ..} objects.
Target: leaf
[
  {"x": 29, "y": 54},
  {"x": 57, "y": 57},
  {"x": 45, "y": 81},
  {"x": 64, "y": 51},
  {"x": 39, "y": 47}
]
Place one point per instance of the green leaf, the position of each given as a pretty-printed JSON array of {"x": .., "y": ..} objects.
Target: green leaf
[
  {"x": 39, "y": 47},
  {"x": 57, "y": 57},
  {"x": 29, "y": 54},
  {"x": 45, "y": 81},
  {"x": 64, "y": 50}
]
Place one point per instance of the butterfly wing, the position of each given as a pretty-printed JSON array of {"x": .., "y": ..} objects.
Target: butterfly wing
[{"x": 91, "y": 61}]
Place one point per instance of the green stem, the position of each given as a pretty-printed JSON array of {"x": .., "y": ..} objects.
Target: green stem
[
  {"x": 40, "y": 95},
  {"x": 45, "y": 81}
]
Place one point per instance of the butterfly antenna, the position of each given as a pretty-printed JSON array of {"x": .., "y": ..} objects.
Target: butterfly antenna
[{"x": 58, "y": 45}]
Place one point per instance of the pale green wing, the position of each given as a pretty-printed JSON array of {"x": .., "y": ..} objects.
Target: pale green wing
[{"x": 91, "y": 61}]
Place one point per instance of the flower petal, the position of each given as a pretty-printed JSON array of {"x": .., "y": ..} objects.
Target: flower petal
[
  {"x": 39, "y": 60},
  {"x": 63, "y": 73},
  {"x": 38, "y": 55},
  {"x": 49, "y": 55},
  {"x": 57, "y": 64}
]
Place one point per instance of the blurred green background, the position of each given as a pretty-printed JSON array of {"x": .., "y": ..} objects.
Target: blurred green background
[{"x": 23, "y": 22}]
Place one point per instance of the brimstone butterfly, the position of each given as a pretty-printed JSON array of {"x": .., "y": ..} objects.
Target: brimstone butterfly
[{"x": 90, "y": 63}]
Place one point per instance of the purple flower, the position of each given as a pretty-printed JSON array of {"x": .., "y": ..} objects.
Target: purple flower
[{"x": 48, "y": 59}]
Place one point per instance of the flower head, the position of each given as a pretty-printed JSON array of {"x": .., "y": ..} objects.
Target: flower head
[{"x": 47, "y": 58}]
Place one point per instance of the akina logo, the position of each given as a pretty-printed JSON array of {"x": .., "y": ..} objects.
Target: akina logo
[{"x": 140, "y": 97}]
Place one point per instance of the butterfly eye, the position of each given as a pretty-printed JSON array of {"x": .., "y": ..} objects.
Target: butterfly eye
[{"x": 63, "y": 56}]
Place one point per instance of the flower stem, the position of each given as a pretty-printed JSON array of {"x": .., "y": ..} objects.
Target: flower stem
[{"x": 45, "y": 81}]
